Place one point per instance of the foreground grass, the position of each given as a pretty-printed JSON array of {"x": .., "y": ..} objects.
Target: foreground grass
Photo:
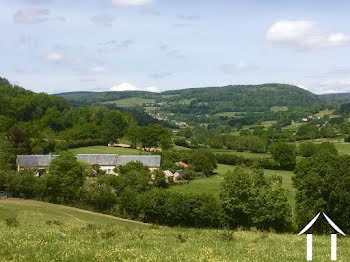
[
  {"x": 55, "y": 233},
  {"x": 106, "y": 150}
]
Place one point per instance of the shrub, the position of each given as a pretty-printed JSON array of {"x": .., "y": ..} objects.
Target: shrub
[{"x": 251, "y": 200}]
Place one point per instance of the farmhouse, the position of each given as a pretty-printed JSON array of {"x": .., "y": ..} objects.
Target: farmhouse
[{"x": 107, "y": 162}]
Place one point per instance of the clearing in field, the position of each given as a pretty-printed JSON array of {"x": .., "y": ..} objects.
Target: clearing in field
[{"x": 279, "y": 108}]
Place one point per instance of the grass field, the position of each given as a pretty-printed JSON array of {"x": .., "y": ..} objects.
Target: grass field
[
  {"x": 46, "y": 232},
  {"x": 106, "y": 150},
  {"x": 325, "y": 113},
  {"x": 342, "y": 147},
  {"x": 130, "y": 102},
  {"x": 211, "y": 185}
]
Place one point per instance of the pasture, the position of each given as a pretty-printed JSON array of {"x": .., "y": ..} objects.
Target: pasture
[
  {"x": 211, "y": 185},
  {"x": 106, "y": 150},
  {"x": 37, "y": 231}
]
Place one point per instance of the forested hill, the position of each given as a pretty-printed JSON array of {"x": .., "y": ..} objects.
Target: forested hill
[
  {"x": 338, "y": 98},
  {"x": 40, "y": 123},
  {"x": 238, "y": 98}
]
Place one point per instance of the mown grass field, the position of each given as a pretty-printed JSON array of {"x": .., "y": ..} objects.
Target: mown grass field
[
  {"x": 47, "y": 232},
  {"x": 106, "y": 150},
  {"x": 211, "y": 185}
]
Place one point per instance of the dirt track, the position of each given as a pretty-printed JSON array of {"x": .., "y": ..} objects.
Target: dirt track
[{"x": 18, "y": 201}]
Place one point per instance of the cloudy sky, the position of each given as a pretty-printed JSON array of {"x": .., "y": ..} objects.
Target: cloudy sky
[{"x": 97, "y": 45}]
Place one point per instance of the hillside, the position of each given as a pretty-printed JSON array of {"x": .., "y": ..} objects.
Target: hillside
[
  {"x": 338, "y": 98},
  {"x": 37, "y": 231},
  {"x": 240, "y": 98}
]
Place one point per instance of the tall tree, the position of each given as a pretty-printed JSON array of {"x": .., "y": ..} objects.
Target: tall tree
[
  {"x": 20, "y": 141},
  {"x": 7, "y": 154}
]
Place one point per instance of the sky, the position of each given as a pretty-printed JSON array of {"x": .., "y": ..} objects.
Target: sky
[{"x": 56, "y": 46}]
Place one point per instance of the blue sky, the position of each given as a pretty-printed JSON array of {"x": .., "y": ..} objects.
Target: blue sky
[{"x": 98, "y": 45}]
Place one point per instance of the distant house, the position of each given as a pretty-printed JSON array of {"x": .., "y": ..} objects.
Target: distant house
[
  {"x": 182, "y": 164},
  {"x": 169, "y": 176},
  {"x": 178, "y": 175},
  {"x": 107, "y": 162}
]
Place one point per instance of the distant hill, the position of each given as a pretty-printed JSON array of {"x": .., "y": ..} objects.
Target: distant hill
[
  {"x": 338, "y": 98},
  {"x": 211, "y": 100},
  {"x": 89, "y": 98}
]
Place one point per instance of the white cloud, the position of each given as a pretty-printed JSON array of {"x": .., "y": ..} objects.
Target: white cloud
[
  {"x": 35, "y": 16},
  {"x": 131, "y": 2},
  {"x": 241, "y": 66},
  {"x": 113, "y": 46},
  {"x": 54, "y": 57},
  {"x": 103, "y": 20},
  {"x": 124, "y": 87},
  {"x": 305, "y": 34},
  {"x": 97, "y": 69},
  {"x": 152, "y": 89},
  {"x": 129, "y": 87}
]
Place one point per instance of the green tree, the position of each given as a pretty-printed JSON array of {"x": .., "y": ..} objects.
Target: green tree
[
  {"x": 7, "y": 154},
  {"x": 134, "y": 175},
  {"x": 20, "y": 141},
  {"x": 307, "y": 149},
  {"x": 165, "y": 141},
  {"x": 202, "y": 160},
  {"x": 65, "y": 178},
  {"x": 313, "y": 181},
  {"x": 251, "y": 200},
  {"x": 159, "y": 179},
  {"x": 284, "y": 154},
  {"x": 133, "y": 133}
]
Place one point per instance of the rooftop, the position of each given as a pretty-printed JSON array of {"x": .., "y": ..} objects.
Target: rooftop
[{"x": 27, "y": 161}]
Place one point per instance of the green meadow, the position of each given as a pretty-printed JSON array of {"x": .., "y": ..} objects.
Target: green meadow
[
  {"x": 37, "y": 231},
  {"x": 211, "y": 185},
  {"x": 106, "y": 150}
]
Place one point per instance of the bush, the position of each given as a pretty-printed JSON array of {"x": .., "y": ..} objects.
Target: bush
[
  {"x": 284, "y": 154},
  {"x": 181, "y": 142},
  {"x": 202, "y": 160},
  {"x": 251, "y": 200},
  {"x": 177, "y": 209}
]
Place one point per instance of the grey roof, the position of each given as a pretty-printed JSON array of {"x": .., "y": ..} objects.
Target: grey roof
[
  {"x": 99, "y": 159},
  {"x": 35, "y": 160},
  {"x": 150, "y": 161}
]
